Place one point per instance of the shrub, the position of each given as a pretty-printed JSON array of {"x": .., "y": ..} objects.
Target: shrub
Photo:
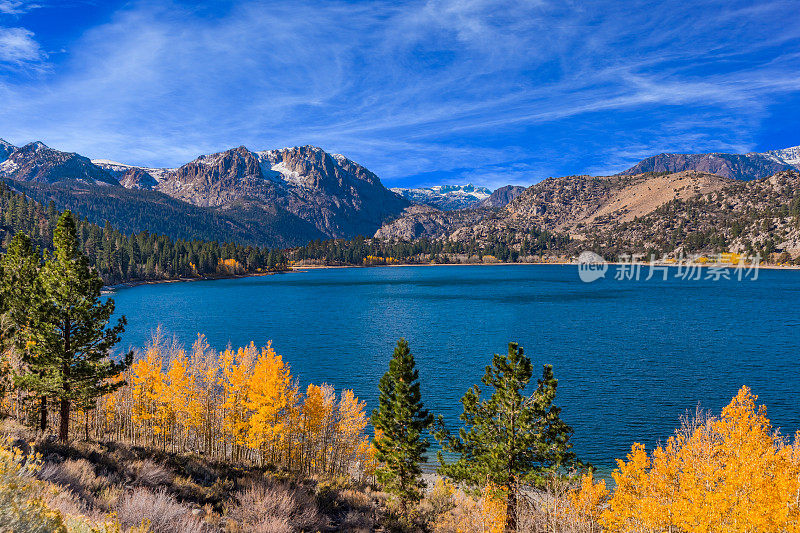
[
  {"x": 150, "y": 474},
  {"x": 264, "y": 508},
  {"x": 21, "y": 504},
  {"x": 156, "y": 510},
  {"x": 77, "y": 475}
]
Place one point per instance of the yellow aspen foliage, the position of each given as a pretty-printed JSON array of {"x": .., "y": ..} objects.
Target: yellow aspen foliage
[
  {"x": 230, "y": 266},
  {"x": 588, "y": 500},
  {"x": 204, "y": 371},
  {"x": 352, "y": 421},
  {"x": 178, "y": 390},
  {"x": 240, "y": 405},
  {"x": 493, "y": 508},
  {"x": 730, "y": 473},
  {"x": 236, "y": 371},
  {"x": 270, "y": 396},
  {"x": 316, "y": 415},
  {"x": 147, "y": 381}
]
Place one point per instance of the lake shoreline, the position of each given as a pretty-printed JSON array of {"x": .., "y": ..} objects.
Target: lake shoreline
[
  {"x": 542, "y": 263},
  {"x": 301, "y": 268},
  {"x": 131, "y": 284}
]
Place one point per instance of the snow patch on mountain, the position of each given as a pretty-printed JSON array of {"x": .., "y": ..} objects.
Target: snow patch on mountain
[
  {"x": 445, "y": 197},
  {"x": 117, "y": 168},
  {"x": 790, "y": 156}
]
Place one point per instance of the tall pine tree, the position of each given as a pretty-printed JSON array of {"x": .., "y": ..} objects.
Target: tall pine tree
[
  {"x": 509, "y": 440},
  {"x": 20, "y": 297},
  {"x": 70, "y": 333},
  {"x": 400, "y": 421}
]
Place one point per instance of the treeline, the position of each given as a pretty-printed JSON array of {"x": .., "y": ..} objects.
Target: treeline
[
  {"x": 118, "y": 257},
  {"x": 239, "y": 405},
  {"x": 509, "y": 247}
]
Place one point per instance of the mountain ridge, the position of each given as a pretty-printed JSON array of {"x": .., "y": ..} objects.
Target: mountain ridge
[
  {"x": 445, "y": 197},
  {"x": 301, "y": 191},
  {"x": 752, "y": 165}
]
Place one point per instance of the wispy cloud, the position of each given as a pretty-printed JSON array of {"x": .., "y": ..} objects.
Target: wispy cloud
[
  {"x": 17, "y": 7},
  {"x": 490, "y": 91},
  {"x": 18, "y": 46}
]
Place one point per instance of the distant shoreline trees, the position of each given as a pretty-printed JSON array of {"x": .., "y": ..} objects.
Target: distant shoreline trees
[{"x": 143, "y": 256}]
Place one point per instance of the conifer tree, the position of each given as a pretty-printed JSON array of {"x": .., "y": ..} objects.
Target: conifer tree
[
  {"x": 509, "y": 439},
  {"x": 401, "y": 421},
  {"x": 70, "y": 335},
  {"x": 20, "y": 293}
]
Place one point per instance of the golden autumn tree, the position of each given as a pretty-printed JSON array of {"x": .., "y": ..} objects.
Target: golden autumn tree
[
  {"x": 204, "y": 370},
  {"x": 730, "y": 473},
  {"x": 316, "y": 417},
  {"x": 148, "y": 386},
  {"x": 237, "y": 369},
  {"x": 240, "y": 405},
  {"x": 178, "y": 394},
  {"x": 271, "y": 394},
  {"x": 350, "y": 425}
]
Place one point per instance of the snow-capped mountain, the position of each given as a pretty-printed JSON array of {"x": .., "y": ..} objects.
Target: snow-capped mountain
[
  {"x": 789, "y": 156},
  {"x": 294, "y": 194},
  {"x": 37, "y": 162},
  {"x": 446, "y": 197}
]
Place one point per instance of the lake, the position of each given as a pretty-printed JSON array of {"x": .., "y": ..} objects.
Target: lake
[{"x": 631, "y": 356}]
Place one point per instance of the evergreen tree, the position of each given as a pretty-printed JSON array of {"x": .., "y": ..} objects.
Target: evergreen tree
[
  {"x": 20, "y": 296},
  {"x": 509, "y": 439},
  {"x": 400, "y": 421},
  {"x": 71, "y": 340}
]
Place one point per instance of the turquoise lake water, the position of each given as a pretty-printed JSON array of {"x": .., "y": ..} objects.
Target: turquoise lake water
[{"x": 631, "y": 356}]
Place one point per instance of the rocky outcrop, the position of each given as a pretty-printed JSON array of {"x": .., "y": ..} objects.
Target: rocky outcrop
[
  {"x": 424, "y": 221},
  {"x": 136, "y": 178},
  {"x": 502, "y": 196},
  {"x": 216, "y": 179},
  {"x": 739, "y": 166},
  {"x": 35, "y": 162}
]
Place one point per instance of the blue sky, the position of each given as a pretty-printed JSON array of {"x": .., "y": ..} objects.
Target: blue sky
[{"x": 424, "y": 92}]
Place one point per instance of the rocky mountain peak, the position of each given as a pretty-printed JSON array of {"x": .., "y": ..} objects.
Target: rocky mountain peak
[
  {"x": 446, "y": 197},
  {"x": 5, "y": 149},
  {"x": 502, "y": 196},
  {"x": 36, "y": 162}
]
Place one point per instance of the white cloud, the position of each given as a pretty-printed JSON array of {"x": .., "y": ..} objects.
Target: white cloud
[
  {"x": 18, "y": 46},
  {"x": 17, "y": 7}
]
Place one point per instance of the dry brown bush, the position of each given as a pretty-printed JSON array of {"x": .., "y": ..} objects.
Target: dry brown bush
[
  {"x": 77, "y": 475},
  {"x": 149, "y": 473},
  {"x": 159, "y": 511},
  {"x": 276, "y": 507}
]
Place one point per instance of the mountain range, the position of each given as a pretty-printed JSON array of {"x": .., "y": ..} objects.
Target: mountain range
[
  {"x": 748, "y": 166},
  {"x": 274, "y": 197},
  {"x": 667, "y": 213},
  {"x": 291, "y": 196},
  {"x": 446, "y": 197}
]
